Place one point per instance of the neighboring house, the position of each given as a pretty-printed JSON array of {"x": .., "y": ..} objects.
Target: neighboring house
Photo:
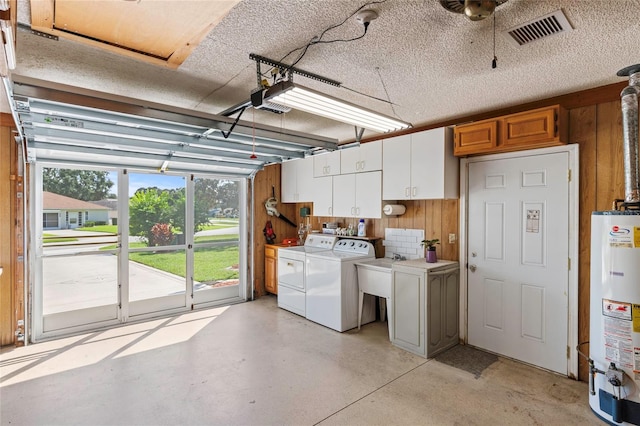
[
  {"x": 60, "y": 212},
  {"x": 112, "y": 205}
]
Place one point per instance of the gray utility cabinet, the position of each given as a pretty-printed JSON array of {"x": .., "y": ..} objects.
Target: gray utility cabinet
[{"x": 425, "y": 299}]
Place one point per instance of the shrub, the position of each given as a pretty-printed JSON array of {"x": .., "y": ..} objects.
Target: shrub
[
  {"x": 161, "y": 234},
  {"x": 89, "y": 224},
  {"x": 100, "y": 223}
]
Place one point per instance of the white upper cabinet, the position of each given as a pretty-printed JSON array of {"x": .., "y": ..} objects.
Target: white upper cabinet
[
  {"x": 326, "y": 164},
  {"x": 296, "y": 180},
  {"x": 357, "y": 195},
  {"x": 365, "y": 158},
  {"x": 420, "y": 166}
]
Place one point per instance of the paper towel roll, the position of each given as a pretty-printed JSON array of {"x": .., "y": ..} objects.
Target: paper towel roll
[{"x": 393, "y": 209}]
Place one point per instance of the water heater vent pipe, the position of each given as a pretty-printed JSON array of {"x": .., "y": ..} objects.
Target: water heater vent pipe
[{"x": 629, "y": 104}]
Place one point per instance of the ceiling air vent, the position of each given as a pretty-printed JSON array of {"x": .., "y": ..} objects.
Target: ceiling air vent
[{"x": 545, "y": 26}]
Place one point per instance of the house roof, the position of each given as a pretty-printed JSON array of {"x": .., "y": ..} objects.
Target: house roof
[{"x": 51, "y": 201}]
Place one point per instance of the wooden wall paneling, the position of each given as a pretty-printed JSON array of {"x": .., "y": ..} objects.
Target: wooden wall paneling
[
  {"x": 610, "y": 167},
  {"x": 582, "y": 130},
  {"x": 433, "y": 223},
  {"x": 7, "y": 299},
  {"x": 450, "y": 221},
  {"x": 263, "y": 182},
  {"x": 259, "y": 218}
]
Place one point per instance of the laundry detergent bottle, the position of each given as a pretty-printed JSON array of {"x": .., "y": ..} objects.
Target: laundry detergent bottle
[{"x": 361, "y": 228}]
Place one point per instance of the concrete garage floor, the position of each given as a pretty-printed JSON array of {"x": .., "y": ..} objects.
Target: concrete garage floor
[{"x": 254, "y": 364}]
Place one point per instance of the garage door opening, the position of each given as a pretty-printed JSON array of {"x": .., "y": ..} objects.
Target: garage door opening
[{"x": 116, "y": 245}]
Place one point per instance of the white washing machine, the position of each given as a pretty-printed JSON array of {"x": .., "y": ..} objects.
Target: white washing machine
[
  {"x": 332, "y": 285},
  {"x": 291, "y": 271}
]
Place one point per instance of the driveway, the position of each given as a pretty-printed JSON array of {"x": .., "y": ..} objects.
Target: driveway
[{"x": 89, "y": 280}]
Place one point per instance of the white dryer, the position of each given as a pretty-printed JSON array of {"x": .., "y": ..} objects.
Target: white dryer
[
  {"x": 291, "y": 271},
  {"x": 332, "y": 285}
]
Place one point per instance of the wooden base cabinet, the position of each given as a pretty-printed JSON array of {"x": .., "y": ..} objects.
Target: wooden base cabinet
[
  {"x": 425, "y": 300},
  {"x": 271, "y": 268}
]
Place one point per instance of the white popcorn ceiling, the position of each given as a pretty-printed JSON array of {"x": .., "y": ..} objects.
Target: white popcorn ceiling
[{"x": 434, "y": 64}]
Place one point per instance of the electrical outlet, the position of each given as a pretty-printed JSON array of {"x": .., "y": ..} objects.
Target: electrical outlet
[{"x": 452, "y": 238}]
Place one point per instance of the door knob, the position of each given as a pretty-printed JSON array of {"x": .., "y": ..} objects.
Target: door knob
[{"x": 472, "y": 268}]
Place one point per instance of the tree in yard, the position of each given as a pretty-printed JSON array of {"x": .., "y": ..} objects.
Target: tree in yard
[
  {"x": 86, "y": 185},
  {"x": 148, "y": 207}
]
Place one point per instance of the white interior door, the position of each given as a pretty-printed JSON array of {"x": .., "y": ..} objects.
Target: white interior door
[{"x": 518, "y": 257}]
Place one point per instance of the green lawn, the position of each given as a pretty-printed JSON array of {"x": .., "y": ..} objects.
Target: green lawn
[
  {"x": 112, "y": 229},
  {"x": 211, "y": 264},
  {"x": 214, "y": 224},
  {"x": 51, "y": 238},
  {"x": 211, "y": 238}
]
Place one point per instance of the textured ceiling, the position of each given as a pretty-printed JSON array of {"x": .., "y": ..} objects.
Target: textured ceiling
[{"x": 433, "y": 65}]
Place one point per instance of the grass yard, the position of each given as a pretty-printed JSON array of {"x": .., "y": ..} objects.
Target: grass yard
[
  {"x": 111, "y": 229},
  {"x": 211, "y": 264},
  {"x": 51, "y": 238}
]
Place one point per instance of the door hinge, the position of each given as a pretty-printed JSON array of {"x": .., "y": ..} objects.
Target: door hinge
[
  {"x": 569, "y": 175},
  {"x": 569, "y": 263},
  {"x": 568, "y": 352}
]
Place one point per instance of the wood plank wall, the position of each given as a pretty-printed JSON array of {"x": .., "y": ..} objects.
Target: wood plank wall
[
  {"x": 595, "y": 122},
  {"x": 7, "y": 217}
]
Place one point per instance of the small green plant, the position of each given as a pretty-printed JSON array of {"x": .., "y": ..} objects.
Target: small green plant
[{"x": 430, "y": 244}]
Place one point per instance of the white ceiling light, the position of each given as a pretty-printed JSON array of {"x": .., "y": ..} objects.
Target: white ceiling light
[{"x": 288, "y": 94}]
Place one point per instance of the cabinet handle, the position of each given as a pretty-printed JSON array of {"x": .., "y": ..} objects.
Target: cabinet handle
[
  {"x": 353, "y": 209},
  {"x": 357, "y": 211},
  {"x": 331, "y": 211},
  {"x": 363, "y": 165},
  {"x": 406, "y": 191},
  {"x": 413, "y": 192}
]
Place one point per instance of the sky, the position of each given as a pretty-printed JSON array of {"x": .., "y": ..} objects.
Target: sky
[{"x": 146, "y": 180}]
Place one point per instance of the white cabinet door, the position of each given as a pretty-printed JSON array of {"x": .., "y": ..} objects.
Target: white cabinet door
[
  {"x": 296, "y": 181},
  {"x": 408, "y": 294},
  {"x": 368, "y": 195},
  {"x": 326, "y": 164},
  {"x": 344, "y": 195},
  {"x": 396, "y": 168},
  {"x": 305, "y": 179},
  {"x": 323, "y": 196},
  {"x": 288, "y": 181},
  {"x": 349, "y": 160},
  {"x": 434, "y": 169},
  {"x": 365, "y": 158},
  {"x": 420, "y": 166}
]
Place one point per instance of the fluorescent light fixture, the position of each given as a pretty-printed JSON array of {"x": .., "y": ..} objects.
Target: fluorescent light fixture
[{"x": 298, "y": 97}]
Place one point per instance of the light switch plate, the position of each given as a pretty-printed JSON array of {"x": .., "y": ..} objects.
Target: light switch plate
[{"x": 452, "y": 238}]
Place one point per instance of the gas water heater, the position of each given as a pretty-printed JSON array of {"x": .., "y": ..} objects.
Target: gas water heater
[{"x": 614, "y": 334}]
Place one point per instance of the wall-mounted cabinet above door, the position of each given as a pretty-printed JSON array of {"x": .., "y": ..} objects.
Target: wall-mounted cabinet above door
[{"x": 420, "y": 166}]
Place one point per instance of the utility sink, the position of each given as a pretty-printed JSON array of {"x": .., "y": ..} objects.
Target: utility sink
[
  {"x": 374, "y": 277},
  {"x": 382, "y": 264}
]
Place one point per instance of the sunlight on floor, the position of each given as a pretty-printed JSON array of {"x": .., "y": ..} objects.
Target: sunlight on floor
[{"x": 47, "y": 358}]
